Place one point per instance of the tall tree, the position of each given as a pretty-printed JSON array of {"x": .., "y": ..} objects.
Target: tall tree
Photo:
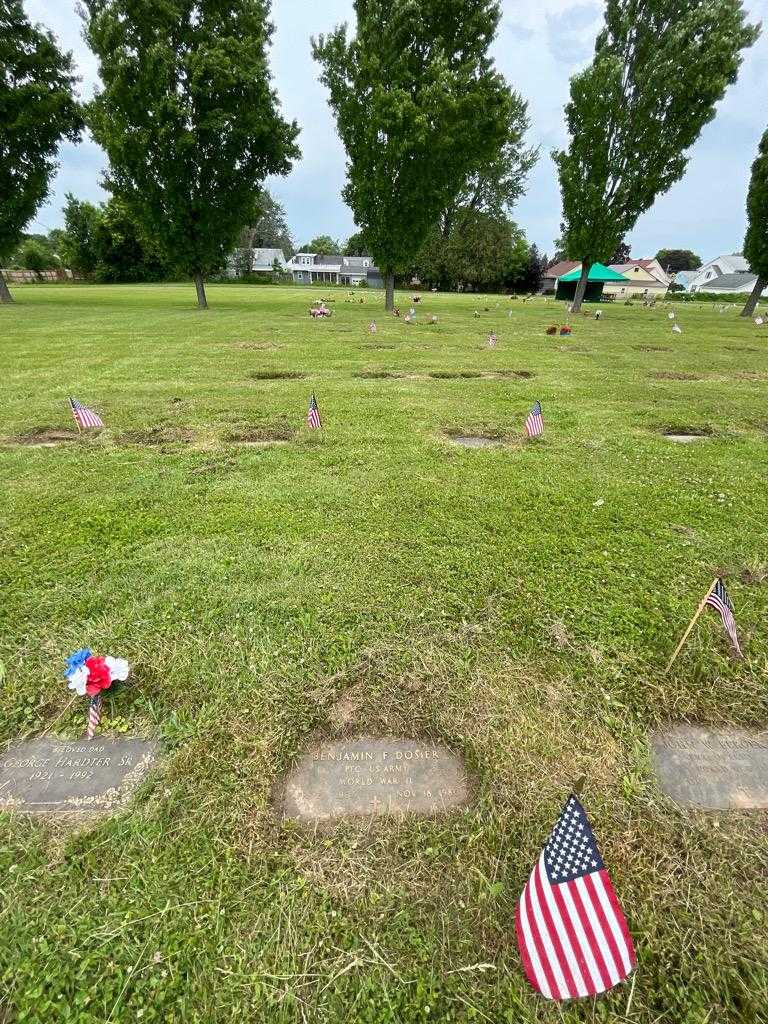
[
  {"x": 322, "y": 245},
  {"x": 481, "y": 252},
  {"x": 188, "y": 119},
  {"x": 37, "y": 110},
  {"x": 631, "y": 118},
  {"x": 496, "y": 186},
  {"x": 357, "y": 245},
  {"x": 621, "y": 253},
  {"x": 270, "y": 229},
  {"x": 756, "y": 240},
  {"x": 78, "y": 246},
  {"x": 675, "y": 260},
  {"x": 419, "y": 107}
]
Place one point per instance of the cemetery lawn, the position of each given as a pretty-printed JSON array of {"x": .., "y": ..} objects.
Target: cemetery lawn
[{"x": 516, "y": 602}]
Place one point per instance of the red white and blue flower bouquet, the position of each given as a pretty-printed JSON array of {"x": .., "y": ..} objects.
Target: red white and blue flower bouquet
[{"x": 89, "y": 675}]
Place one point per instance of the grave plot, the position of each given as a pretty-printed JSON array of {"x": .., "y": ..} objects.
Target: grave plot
[
  {"x": 45, "y": 437},
  {"x": 373, "y": 776},
  {"x": 262, "y": 435}
]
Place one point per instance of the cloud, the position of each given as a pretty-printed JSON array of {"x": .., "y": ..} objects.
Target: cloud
[{"x": 538, "y": 48}]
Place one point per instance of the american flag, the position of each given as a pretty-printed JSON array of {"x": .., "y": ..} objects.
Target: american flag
[
  {"x": 534, "y": 425},
  {"x": 84, "y": 417},
  {"x": 94, "y": 716},
  {"x": 719, "y": 600},
  {"x": 313, "y": 416},
  {"x": 573, "y": 937},
  {"x": 492, "y": 339}
]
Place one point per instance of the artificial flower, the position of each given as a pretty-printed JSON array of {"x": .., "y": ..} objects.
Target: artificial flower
[
  {"x": 118, "y": 668},
  {"x": 77, "y": 660},
  {"x": 77, "y": 680},
  {"x": 99, "y": 676}
]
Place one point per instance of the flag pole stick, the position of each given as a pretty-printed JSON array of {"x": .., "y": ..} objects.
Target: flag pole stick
[
  {"x": 691, "y": 624},
  {"x": 77, "y": 422}
]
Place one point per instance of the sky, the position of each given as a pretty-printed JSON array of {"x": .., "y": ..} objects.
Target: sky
[{"x": 538, "y": 48}]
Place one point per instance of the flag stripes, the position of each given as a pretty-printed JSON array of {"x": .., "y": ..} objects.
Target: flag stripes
[
  {"x": 719, "y": 600},
  {"x": 534, "y": 424},
  {"x": 313, "y": 415},
  {"x": 84, "y": 417}
]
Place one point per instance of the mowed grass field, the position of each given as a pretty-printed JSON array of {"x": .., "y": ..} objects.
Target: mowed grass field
[{"x": 517, "y": 603}]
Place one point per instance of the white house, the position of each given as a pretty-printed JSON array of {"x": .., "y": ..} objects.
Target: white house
[
  {"x": 646, "y": 278},
  {"x": 263, "y": 261},
  {"x": 311, "y": 268},
  {"x": 733, "y": 263}
]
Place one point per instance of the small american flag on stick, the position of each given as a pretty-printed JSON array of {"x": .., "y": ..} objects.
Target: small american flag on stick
[
  {"x": 534, "y": 424},
  {"x": 573, "y": 937},
  {"x": 313, "y": 415},
  {"x": 84, "y": 417},
  {"x": 719, "y": 600},
  {"x": 94, "y": 716}
]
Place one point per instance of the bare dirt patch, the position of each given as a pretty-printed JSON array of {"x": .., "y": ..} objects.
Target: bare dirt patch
[
  {"x": 519, "y": 374},
  {"x": 277, "y": 375},
  {"x": 157, "y": 437},
  {"x": 686, "y": 434},
  {"x": 455, "y": 374},
  {"x": 47, "y": 437},
  {"x": 262, "y": 434},
  {"x": 376, "y": 375},
  {"x": 673, "y": 375}
]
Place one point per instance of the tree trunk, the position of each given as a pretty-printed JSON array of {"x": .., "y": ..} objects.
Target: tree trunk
[
  {"x": 202, "y": 302},
  {"x": 389, "y": 284},
  {"x": 754, "y": 298},
  {"x": 5, "y": 295},
  {"x": 581, "y": 287}
]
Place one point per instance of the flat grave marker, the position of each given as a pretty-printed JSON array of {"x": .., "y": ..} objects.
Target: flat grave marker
[
  {"x": 370, "y": 776},
  {"x": 712, "y": 769},
  {"x": 50, "y": 776}
]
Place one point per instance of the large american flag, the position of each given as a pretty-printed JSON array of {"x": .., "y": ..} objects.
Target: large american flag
[
  {"x": 573, "y": 937},
  {"x": 313, "y": 415},
  {"x": 534, "y": 425},
  {"x": 84, "y": 417},
  {"x": 721, "y": 602}
]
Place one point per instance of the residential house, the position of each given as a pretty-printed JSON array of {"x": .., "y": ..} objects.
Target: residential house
[
  {"x": 645, "y": 279},
  {"x": 718, "y": 267},
  {"x": 727, "y": 284},
  {"x": 263, "y": 261},
  {"x": 551, "y": 274},
  {"x": 311, "y": 268}
]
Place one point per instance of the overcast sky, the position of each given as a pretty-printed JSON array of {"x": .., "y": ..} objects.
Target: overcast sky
[{"x": 538, "y": 48}]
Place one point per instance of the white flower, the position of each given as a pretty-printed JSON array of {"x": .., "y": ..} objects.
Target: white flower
[
  {"x": 77, "y": 680},
  {"x": 598, "y": 503},
  {"x": 118, "y": 668},
  {"x": 671, "y": 316}
]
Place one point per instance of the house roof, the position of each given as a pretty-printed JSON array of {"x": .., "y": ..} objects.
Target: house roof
[
  {"x": 730, "y": 282},
  {"x": 268, "y": 256},
  {"x": 597, "y": 272},
  {"x": 563, "y": 267}
]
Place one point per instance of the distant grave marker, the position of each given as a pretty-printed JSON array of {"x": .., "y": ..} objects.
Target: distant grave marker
[
  {"x": 712, "y": 769},
  {"x": 50, "y": 776},
  {"x": 370, "y": 776}
]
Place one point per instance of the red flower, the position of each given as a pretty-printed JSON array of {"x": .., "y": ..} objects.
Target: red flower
[{"x": 99, "y": 676}]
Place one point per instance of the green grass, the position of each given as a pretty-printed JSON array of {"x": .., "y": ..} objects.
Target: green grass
[{"x": 517, "y": 602}]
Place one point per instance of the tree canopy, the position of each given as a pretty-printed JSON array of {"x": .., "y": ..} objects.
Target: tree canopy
[
  {"x": 658, "y": 71},
  {"x": 756, "y": 240},
  {"x": 419, "y": 107},
  {"x": 270, "y": 229},
  {"x": 481, "y": 252},
  {"x": 675, "y": 260},
  {"x": 323, "y": 245},
  {"x": 188, "y": 119},
  {"x": 37, "y": 110}
]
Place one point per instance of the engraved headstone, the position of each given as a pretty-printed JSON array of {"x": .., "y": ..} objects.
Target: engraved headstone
[
  {"x": 50, "y": 776},
  {"x": 373, "y": 776},
  {"x": 713, "y": 769}
]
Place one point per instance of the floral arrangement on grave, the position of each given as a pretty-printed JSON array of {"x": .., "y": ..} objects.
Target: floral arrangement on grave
[
  {"x": 552, "y": 329},
  {"x": 89, "y": 675},
  {"x": 565, "y": 329}
]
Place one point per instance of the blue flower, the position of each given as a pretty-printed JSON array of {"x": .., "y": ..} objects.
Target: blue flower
[{"x": 76, "y": 660}]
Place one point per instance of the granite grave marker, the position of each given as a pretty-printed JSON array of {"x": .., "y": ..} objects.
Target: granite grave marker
[
  {"x": 370, "y": 776},
  {"x": 50, "y": 776},
  {"x": 712, "y": 769}
]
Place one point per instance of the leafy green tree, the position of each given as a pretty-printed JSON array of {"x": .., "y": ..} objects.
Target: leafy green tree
[
  {"x": 533, "y": 273},
  {"x": 658, "y": 71},
  {"x": 78, "y": 246},
  {"x": 323, "y": 245},
  {"x": 496, "y": 186},
  {"x": 37, "y": 110},
  {"x": 675, "y": 260},
  {"x": 419, "y": 107},
  {"x": 756, "y": 240},
  {"x": 621, "y": 253},
  {"x": 481, "y": 252},
  {"x": 357, "y": 245},
  {"x": 188, "y": 119},
  {"x": 270, "y": 229},
  {"x": 36, "y": 256}
]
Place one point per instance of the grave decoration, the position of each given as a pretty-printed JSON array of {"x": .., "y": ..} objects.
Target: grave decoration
[
  {"x": 565, "y": 329},
  {"x": 552, "y": 329},
  {"x": 89, "y": 675}
]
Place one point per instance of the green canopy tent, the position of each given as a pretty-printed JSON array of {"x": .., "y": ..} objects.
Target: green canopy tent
[{"x": 598, "y": 276}]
